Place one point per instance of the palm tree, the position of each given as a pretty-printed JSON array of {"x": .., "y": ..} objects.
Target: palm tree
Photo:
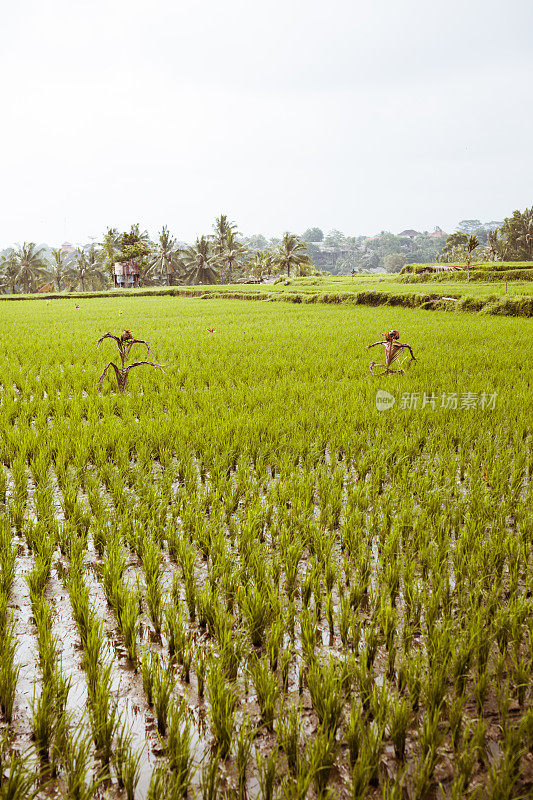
[
  {"x": 28, "y": 264},
  {"x": 223, "y": 228},
  {"x": 86, "y": 270},
  {"x": 166, "y": 259},
  {"x": 471, "y": 245},
  {"x": 7, "y": 272},
  {"x": 57, "y": 268},
  {"x": 109, "y": 249},
  {"x": 292, "y": 252},
  {"x": 199, "y": 263},
  {"x": 493, "y": 245},
  {"x": 525, "y": 238},
  {"x": 233, "y": 253}
]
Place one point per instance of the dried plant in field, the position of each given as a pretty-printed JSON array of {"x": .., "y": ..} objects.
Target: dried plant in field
[{"x": 124, "y": 343}]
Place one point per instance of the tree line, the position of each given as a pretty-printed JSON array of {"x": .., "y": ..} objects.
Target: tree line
[
  {"x": 220, "y": 257},
  {"x": 511, "y": 240}
]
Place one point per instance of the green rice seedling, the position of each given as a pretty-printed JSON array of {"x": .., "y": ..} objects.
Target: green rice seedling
[
  {"x": 393, "y": 790},
  {"x": 148, "y": 674},
  {"x": 242, "y": 748},
  {"x": 330, "y": 616},
  {"x": 187, "y": 657},
  {"x": 379, "y": 703},
  {"x": 399, "y": 717},
  {"x": 360, "y": 777},
  {"x": 435, "y": 688},
  {"x": 481, "y": 686},
  {"x": 103, "y": 715},
  {"x": 274, "y": 641},
  {"x": 504, "y": 774},
  {"x": 126, "y": 762},
  {"x": 455, "y": 719},
  {"x": 308, "y": 629},
  {"x": 129, "y": 623},
  {"x": 91, "y": 656},
  {"x": 21, "y": 780},
  {"x": 173, "y": 627},
  {"x": 154, "y": 601},
  {"x": 321, "y": 758},
  {"x": 290, "y": 563},
  {"x": 222, "y": 701},
  {"x": 503, "y": 697},
  {"x": 8, "y": 557},
  {"x": 371, "y": 646},
  {"x": 3, "y": 485},
  {"x": 9, "y": 671},
  {"x": 414, "y": 679},
  {"x": 77, "y": 761},
  {"x": 464, "y": 764},
  {"x": 163, "y": 685},
  {"x": 178, "y": 747},
  {"x": 267, "y": 688},
  {"x": 430, "y": 736},
  {"x": 423, "y": 774},
  {"x": 44, "y": 715},
  {"x": 365, "y": 682},
  {"x": 522, "y": 670},
  {"x": 210, "y": 778},
  {"x": 306, "y": 588},
  {"x": 256, "y": 607},
  {"x": 344, "y": 618},
  {"x": 289, "y": 732},
  {"x": 266, "y": 770},
  {"x": 163, "y": 784},
  {"x": 354, "y": 732},
  {"x": 231, "y": 650},
  {"x": 461, "y": 665},
  {"x": 38, "y": 577},
  {"x": 200, "y": 665},
  {"x": 284, "y": 666},
  {"x": 327, "y": 693}
]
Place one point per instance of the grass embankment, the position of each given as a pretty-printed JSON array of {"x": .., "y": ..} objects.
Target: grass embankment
[{"x": 511, "y": 298}]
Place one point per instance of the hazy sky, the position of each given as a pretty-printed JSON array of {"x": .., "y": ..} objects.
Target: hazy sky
[{"x": 361, "y": 116}]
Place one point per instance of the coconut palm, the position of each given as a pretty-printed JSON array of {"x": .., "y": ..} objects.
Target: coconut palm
[
  {"x": 7, "y": 272},
  {"x": 223, "y": 228},
  {"x": 525, "y": 237},
  {"x": 166, "y": 257},
  {"x": 493, "y": 245},
  {"x": 27, "y": 264},
  {"x": 86, "y": 270},
  {"x": 57, "y": 269},
  {"x": 233, "y": 256},
  {"x": 291, "y": 253},
  {"x": 471, "y": 245},
  {"x": 109, "y": 249},
  {"x": 200, "y": 263}
]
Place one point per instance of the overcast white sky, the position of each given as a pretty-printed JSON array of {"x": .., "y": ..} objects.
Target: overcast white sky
[{"x": 360, "y": 116}]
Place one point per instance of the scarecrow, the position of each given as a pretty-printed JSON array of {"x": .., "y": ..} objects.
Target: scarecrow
[{"x": 393, "y": 348}]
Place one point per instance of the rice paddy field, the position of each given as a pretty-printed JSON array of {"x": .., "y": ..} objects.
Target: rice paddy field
[{"x": 261, "y": 572}]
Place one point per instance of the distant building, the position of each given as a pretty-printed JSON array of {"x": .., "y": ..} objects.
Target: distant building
[
  {"x": 410, "y": 233},
  {"x": 67, "y": 247},
  {"x": 438, "y": 233},
  {"x": 125, "y": 274}
]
